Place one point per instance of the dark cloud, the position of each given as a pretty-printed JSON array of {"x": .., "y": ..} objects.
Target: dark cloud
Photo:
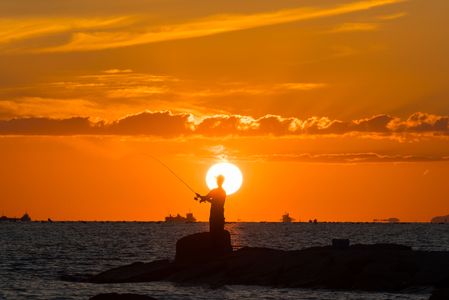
[
  {"x": 222, "y": 126},
  {"x": 422, "y": 122},
  {"x": 168, "y": 124},
  {"x": 377, "y": 123},
  {"x": 46, "y": 126},
  {"x": 276, "y": 125},
  {"x": 161, "y": 123}
]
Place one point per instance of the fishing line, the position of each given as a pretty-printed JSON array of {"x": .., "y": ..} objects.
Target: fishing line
[{"x": 173, "y": 172}]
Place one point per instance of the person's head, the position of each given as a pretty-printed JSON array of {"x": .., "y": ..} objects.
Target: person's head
[{"x": 220, "y": 180}]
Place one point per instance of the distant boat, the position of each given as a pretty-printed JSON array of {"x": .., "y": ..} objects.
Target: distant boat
[
  {"x": 25, "y": 218},
  {"x": 440, "y": 220},
  {"x": 286, "y": 218},
  {"x": 189, "y": 218},
  {"x": 6, "y": 219}
]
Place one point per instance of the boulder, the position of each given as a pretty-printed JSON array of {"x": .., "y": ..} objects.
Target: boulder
[
  {"x": 340, "y": 243},
  {"x": 441, "y": 291},
  {"x": 203, "y": 246},
  {"x": 115, "y": 296},
  {"x": 440, "y": 294}
]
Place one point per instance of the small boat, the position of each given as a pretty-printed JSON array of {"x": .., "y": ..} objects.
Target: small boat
[
  {"x": 189, "y": 218},
  {"x": 25, "y": 218},
  {"x": 286, "y": 218}
]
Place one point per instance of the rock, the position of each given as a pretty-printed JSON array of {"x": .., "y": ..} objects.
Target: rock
[
  {"x": 440, "y": 294},
  {"x": 202, "y": 246},
  {"x": 379, "y": 267},
  {"x": 340, "y": 243},
  {"x": 441, "y": 291},
  {"x": 136, "y": 272},
  {"x": 115, "y": 296}
]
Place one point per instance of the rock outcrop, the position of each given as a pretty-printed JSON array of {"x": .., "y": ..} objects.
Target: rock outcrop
[
  {"x": 202, "y": 246},
  {"x": 379, "y": 267},
  {"x": 441, "y": 291}
]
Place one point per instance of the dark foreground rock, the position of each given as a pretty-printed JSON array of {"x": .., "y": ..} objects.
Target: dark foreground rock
[
  {"x": 380, "y": 267},
  {"x": 200, "y": 247},
  {"x": 115, "y": 296},
  {"x": 441, "y": 291}
]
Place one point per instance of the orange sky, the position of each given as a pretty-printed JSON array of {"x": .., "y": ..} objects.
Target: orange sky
[{"x": 336, "y": 111}]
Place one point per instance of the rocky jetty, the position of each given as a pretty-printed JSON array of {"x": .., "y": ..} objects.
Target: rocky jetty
[{"x": 379, "y": 267}]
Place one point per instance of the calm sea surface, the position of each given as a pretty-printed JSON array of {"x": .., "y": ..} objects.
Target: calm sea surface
[{"x": 44, "y": 260}]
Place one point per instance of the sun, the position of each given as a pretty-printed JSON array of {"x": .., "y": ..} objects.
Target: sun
[{"x": 232, "y": 174}]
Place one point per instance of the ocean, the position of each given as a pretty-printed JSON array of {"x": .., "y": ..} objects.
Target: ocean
[{"x": 51, "y": 260}]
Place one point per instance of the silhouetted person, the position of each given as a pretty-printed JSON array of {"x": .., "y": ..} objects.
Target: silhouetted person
[{"x": 217, "y": 198}]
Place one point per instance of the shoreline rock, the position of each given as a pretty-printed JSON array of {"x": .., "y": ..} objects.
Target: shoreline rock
[
  {"x": 202, "y": 246},
  {"x": 378, "y": 267}
]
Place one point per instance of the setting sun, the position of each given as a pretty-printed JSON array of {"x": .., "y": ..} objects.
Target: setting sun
[{"x": 232, "y": 174}]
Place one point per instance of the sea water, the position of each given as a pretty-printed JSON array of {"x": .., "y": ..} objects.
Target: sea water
[{"x": 51, "y": 260}]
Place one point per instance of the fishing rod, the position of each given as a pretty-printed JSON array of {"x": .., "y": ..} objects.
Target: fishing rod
[{"x": 174, "y": 174}]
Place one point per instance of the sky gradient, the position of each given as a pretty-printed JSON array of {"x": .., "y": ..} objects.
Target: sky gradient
[{"x": 335, "y": 110}]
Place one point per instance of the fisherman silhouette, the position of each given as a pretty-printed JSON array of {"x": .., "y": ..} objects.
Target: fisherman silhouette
[{"x": 217, "y": 198}]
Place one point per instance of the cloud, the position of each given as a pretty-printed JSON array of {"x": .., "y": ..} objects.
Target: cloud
[
  {"x": 378, "y": 123},
  {"x": 46, "y": 126},
  {"x": 137, "y": 92},
  {"x": 41, "y": 107},
  {"x": 117, "y": 71},
  {"x": 14, "y": 31},
  {"x": 107, "y": 33},
  {"x": 356, "y": 157},
  {"x": 300, "y": 86},
  {"x": 393, "y": 16},
  {"x": 352, "y": 27},
  {"x": 144, "y": 84},
  {"x": 168, "y": 124},
  {"x": 223, "y": 125},
  {"x": 119, "y": 84},
  {"x": 421, "y": 122},
  {"x": 162, "y": 123}
]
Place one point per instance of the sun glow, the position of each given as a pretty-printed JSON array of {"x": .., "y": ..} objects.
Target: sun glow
[{"x": 232, "y": 174}]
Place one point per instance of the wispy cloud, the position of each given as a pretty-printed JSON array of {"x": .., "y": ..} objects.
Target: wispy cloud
[
  {"x": 38, "y": 106},
  {"x": 392, "y": 16},
  {"x": 98, "y": 34},
  {"x": 301, "y": 86},
  {"x": 353, "y": 157},
  {"x": 119, "y": 83},
  {"x": 126, "y": 83},
  {"x": 117, "y": 71},
  {"x": 136, "y": 91},
  {"x": 15, "y": 30},
  {"x": 351, "y": 27}
]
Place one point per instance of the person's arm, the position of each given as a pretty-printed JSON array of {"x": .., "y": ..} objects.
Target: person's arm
[{"x": 203, "y": 198}]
